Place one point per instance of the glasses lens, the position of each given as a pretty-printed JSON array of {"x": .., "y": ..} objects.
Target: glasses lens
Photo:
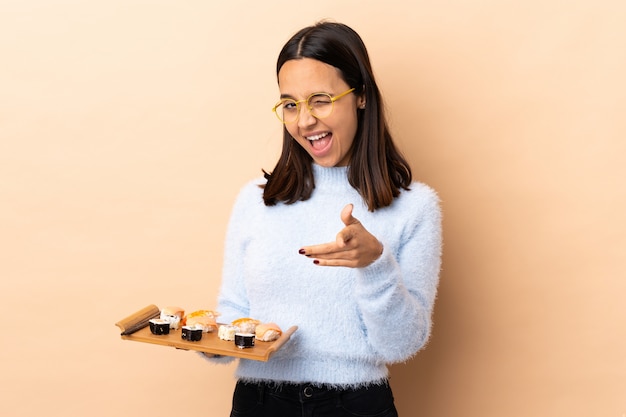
[
  {"x": 287, "y": 110},
  {"x": 321, "y": 105}
]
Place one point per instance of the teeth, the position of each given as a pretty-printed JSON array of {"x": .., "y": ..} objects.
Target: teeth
[{"x": 317, "y": 137}]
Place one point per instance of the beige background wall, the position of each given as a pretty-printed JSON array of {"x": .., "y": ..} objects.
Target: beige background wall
[{"x": 128, "y": 126}]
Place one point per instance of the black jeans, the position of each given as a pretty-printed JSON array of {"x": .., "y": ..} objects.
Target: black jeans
[{"x": 304, "y": 400}]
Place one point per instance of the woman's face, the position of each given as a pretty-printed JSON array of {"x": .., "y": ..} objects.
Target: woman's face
[{"x": 327, "y": 140}]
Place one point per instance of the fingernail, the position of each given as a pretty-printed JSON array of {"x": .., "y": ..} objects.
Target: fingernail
[
  {"x": 316, "y": 262},
  {"x": 301, "y": 251}
]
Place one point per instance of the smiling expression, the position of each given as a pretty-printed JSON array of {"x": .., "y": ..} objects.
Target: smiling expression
[{"x": 328, "y": 140}]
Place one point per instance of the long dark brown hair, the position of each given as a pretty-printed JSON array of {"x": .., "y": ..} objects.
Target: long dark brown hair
[{"x": 376, "y": 169}]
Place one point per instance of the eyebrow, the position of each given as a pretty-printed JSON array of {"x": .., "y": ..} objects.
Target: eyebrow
[{"x": 293, "y": 98}]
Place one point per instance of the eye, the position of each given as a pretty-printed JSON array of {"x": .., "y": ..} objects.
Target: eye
[
  {"x": 289, "y": 105},
  {"x": 319, "y": 100}
]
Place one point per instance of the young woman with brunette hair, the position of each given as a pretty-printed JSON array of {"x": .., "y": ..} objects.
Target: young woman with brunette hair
[
  {"x": 377, "y": 170},
  {"x": 336, "y": 239}
]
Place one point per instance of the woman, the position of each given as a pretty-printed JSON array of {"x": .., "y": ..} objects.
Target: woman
[{"x": 337, "y": 240}]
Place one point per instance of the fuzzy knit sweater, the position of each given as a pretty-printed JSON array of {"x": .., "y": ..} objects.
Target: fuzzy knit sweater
[{"x": 352, "y": 322}]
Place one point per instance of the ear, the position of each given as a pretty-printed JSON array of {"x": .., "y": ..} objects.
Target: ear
[{"x": 360, "y": 101}]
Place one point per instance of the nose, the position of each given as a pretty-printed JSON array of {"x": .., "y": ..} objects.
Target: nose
[{"x": 305, "y": 118}]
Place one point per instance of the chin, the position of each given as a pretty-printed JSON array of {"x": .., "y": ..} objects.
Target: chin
[{"x": 326, "y": 163}]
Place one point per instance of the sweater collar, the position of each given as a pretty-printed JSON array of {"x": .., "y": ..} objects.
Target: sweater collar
[{"x": 330, "y": 175}]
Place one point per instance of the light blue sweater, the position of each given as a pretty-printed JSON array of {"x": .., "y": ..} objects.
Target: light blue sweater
[{"x": 351, "y": 321}]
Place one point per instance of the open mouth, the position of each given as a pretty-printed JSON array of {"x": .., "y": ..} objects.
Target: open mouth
[
  {"x": 319, "y": 141},
  {"x": 318, "y": 137}
]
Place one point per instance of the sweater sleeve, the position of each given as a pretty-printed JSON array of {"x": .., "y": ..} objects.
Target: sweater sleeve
[
  {"x": 233, "y": 299},
  {"x": 396, "y": 293}
]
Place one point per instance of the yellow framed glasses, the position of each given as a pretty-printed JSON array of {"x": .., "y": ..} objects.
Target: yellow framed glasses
[{"x": 320, "y": 105}]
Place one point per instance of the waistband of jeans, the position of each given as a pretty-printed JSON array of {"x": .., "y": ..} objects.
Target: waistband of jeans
[{"x": 309, "y": 389}]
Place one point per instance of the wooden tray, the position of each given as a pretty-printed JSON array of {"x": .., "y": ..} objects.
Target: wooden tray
[{"x": 135, "y": 328}]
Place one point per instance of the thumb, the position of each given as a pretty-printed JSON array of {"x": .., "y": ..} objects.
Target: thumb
[
  {"x": 345, "y": 235},
  {"x": 346, "y": 215}
]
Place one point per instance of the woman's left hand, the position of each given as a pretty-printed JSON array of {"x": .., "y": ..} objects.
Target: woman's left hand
[{"x": 354, "y": 247}]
